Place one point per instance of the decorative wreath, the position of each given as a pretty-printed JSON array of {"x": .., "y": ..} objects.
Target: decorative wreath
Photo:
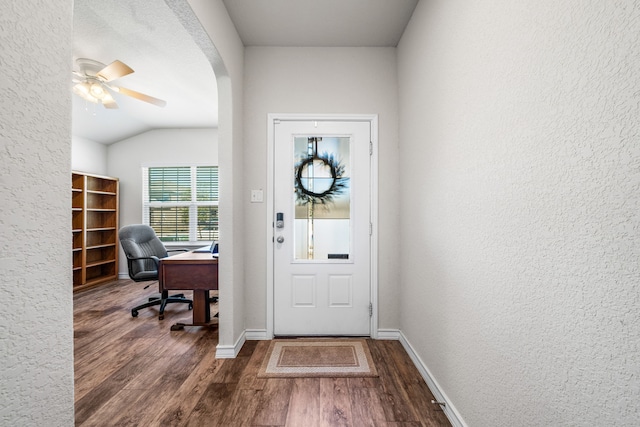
[{"x": 338, "y": 183}]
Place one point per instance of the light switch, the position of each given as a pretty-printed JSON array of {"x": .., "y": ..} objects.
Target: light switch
[{"x": 256, "y": 196}]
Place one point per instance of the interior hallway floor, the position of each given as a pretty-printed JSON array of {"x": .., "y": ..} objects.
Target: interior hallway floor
[{"x": 137, "y": 372}]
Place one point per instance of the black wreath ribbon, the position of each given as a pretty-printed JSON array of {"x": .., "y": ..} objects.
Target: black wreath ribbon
[{"x": 338, "y": 183}]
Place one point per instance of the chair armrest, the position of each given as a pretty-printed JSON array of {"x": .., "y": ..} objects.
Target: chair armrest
[
  {"x": 155, "y": 259},
  {"x": 178, "y": 250}
]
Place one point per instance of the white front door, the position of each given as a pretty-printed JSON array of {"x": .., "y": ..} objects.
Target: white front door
[{"x": 322, "y": 228}]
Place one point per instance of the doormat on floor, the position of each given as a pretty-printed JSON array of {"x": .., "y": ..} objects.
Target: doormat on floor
[{"x": 317, "y": 358}]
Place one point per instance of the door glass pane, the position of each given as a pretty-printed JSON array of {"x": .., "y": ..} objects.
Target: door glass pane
[{"x": 323, "y": 198}]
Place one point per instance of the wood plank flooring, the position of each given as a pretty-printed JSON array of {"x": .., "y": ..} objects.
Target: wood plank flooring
[{"x": 136, "y": 372}]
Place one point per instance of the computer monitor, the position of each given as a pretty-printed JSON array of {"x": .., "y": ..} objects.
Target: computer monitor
[{"x": 213, "y": 249}]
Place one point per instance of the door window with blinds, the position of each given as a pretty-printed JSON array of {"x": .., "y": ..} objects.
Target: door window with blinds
[{"x": 181, "y": 203}]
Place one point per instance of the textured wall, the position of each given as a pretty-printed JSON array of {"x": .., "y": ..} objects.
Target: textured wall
[
  {"x": 520, "y": 180},
  {"x": 36, "y": 323}
]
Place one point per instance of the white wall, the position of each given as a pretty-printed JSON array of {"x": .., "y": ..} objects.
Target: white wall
[
  {"x": 210, "y": 25},
  {"x": 323, "y": 81},
  {"x": 36, "y": 324},
  {"x": 160, "y": 147},
  {"x": 520, "y": 177},
  {"x": 88, "y": 156}
]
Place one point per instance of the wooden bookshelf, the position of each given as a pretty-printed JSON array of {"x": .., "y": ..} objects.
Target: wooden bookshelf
[{"x": 94, "y": 229}]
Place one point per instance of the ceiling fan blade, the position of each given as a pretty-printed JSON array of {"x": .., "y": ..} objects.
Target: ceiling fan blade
[
  {"x": 140, "y": 96},
  {"x": 113, "y": 71}
]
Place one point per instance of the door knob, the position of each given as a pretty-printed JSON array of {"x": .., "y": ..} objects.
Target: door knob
[{"x": 280, "y": 239}]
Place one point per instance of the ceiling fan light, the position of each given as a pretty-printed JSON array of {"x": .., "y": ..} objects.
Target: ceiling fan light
[
  {"x": 107, "y": 98},
  {"x": 97, "y": 91},
  {"x": 93, "y": 83},
  {"x": 83, "y": 90}
]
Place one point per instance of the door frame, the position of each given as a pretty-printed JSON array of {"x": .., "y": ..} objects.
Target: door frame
[{"x": 372, "y": 119}]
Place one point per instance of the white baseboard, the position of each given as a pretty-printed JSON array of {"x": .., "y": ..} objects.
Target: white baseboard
[
  {"x": 231, "y": 351},
  {"x": 256, "y": 334},
  {"x": 388, "y": 334},
  {"x": 449, "y": 410}
]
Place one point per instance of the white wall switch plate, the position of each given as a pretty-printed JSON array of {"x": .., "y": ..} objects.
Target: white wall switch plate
[{"x": 256, "y": 196}]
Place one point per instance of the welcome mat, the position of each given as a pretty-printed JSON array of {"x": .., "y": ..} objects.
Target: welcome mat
[{"x": 317, "y": 358}]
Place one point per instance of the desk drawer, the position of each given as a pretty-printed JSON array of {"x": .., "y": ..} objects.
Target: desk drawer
[{"x": 189, "y": 276}]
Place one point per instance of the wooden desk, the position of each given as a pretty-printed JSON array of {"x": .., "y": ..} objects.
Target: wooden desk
[{"x": 191, "y": 271}]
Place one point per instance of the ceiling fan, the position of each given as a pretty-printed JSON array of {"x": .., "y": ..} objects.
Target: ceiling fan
[{"x": 93, "y": 83}]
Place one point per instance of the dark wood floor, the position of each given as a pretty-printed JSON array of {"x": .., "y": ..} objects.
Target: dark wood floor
[{"x": 136, "y": 372}]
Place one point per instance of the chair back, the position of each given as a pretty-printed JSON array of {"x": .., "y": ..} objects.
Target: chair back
[{"x": 140, "y": 241}]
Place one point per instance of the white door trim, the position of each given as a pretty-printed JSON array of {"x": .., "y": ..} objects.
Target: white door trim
[{"x": 272, "y": 118}]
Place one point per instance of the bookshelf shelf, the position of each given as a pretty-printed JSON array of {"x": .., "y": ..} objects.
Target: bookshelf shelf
[{"x": 94, "y": 229}]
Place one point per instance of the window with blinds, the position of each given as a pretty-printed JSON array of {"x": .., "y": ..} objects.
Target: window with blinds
[{"x": 181, "y": 203}]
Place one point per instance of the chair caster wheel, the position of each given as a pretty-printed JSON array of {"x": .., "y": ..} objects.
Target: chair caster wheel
[
  {"x": 134, "y": 313},
  {"x": 161, "y": 316},
  {"x": 177, "y": 327},
  {"x": 190, "y": 306}
]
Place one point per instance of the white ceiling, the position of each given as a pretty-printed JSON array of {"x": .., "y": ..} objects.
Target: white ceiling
[
  {"x": 146, "y": 35},
  {"x": 320, "y": 22}
]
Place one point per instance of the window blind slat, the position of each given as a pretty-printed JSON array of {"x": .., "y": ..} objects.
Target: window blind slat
[
  {"x": 207, "y": 183},
  {"x": 170, "y": 184}
]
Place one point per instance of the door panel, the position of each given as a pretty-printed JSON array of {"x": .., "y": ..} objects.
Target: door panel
[{"x": 322, "y": 244}]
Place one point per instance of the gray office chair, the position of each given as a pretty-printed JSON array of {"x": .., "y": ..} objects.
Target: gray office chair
[{"x": 144, "y": 251}]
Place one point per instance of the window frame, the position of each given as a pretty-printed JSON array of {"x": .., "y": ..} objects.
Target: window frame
[{"x": 193, "y": 204}]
